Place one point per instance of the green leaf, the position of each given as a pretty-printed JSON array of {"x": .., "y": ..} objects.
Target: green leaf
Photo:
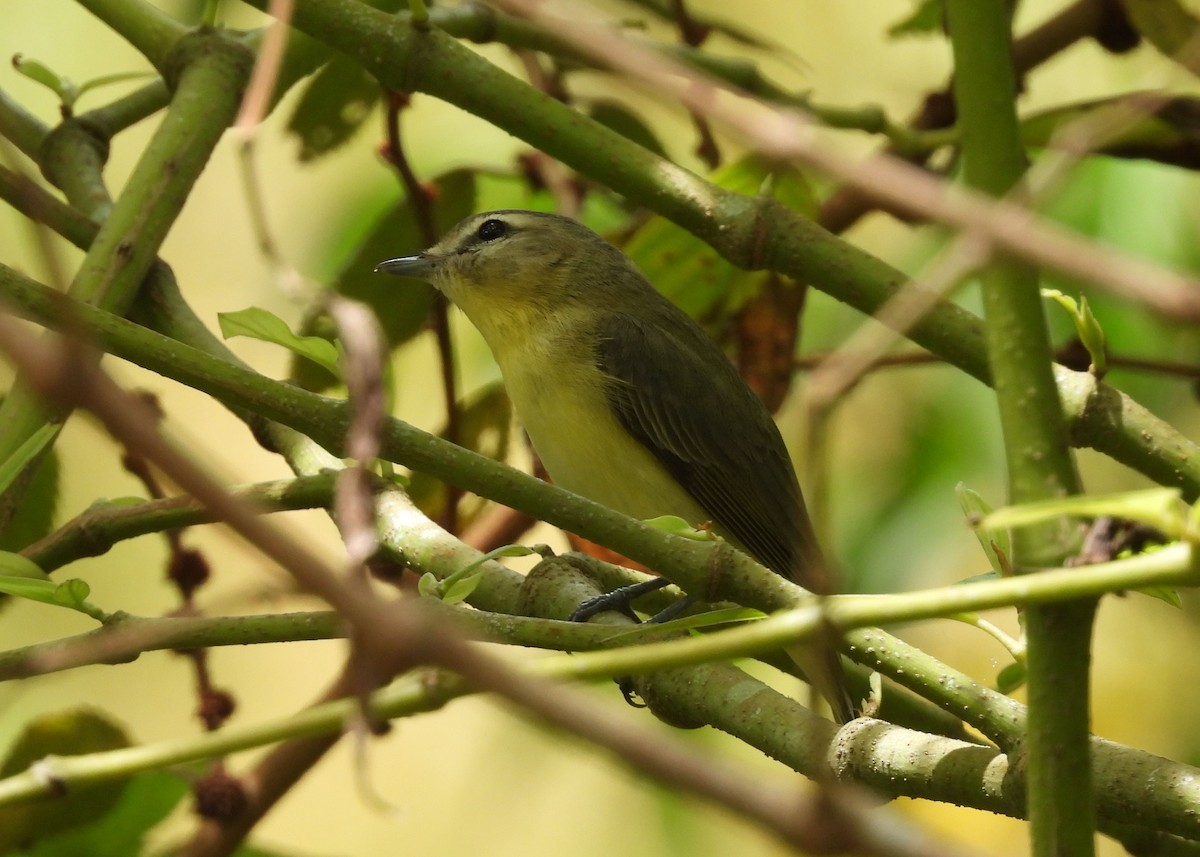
[
  {"x": 22, "y": 568},
  {"x": 34, "y": 516},
  {"x": 333, "y": 105},
  {"x": 258, "y": 323},
  {"x": 1163, "y": 593},
  {"x": 692, "y": 274},
  {"x": 402, "y": 306},
  {"x": 41, "y": 73},
  {"x": 617, "y": 117},
  {"x": 68, "y": 733},
  {"x": 485, "y": 426},
  {"x": 1087, "y": 328},
  {"x": 71, "y": 594},
  {"x": 460, "y": 590},
  {"x": 458, "y": 586},
  {"x": 27, "y": 452},
  {"x": 712, "y": 618},
  {"x": 1161, "y": 508},
  {"x": 428, "y": 586},
  {"x": 1010, "y": 678},
  {"x": 677, "y": 526},
  {"x": 146, "y": 800},
  {"x": 925, "y": 20},
  {"x": 996, "y": 545}
]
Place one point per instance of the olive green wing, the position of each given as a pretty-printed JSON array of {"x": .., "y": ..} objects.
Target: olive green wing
[{"x": 675, "y": 392}]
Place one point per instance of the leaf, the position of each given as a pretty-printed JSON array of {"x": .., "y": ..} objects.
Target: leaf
[
  {"x": 1011, "y": 678},
  {"x": 41, "y": 73},
  {"x": 677, "y": 526},
  {"x": 458, "y": 586},
  {"x": 1168, "y": 134},
  {"x": 1161, "y": 508},
  {"x": 332, "y": 106},
  {"x": 617, "y": 117},
  {"x": 1087, "y": 328},
  {"x": 925, "y": 20},
  {"x": 1163, "y": 593},
  {"x": 690, "y": 272},
  {"x": 485, "y": 426},
  {"x": 71, "y": 594},
  {"x": 725, "y": 616},
  {"x": 68, "y": 733},
  {"x": 401, "y": 305},
  {"x": 461, "y": 589},
  {"x": 34, "y": 516},
  {"x": 146, "y": 800},
  {"x": 27, "y": 452},
  {"x": 428, "y": 586},
  {"x": 996, "y": 545},
  {"x": 258, "y": 323},
  {"x": 15, "y": 565}
]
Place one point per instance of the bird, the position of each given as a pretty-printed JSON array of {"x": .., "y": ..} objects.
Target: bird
[{"x": 625, "y": 399}]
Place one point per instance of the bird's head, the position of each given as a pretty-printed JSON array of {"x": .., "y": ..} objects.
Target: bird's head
[{"x": 500, "y": 263}]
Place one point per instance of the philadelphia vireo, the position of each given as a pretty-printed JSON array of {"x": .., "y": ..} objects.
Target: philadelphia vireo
[{"x": 625, "y": 398}]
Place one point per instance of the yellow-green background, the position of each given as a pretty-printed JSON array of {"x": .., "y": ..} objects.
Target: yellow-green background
[{"x": 473, "y": 778}]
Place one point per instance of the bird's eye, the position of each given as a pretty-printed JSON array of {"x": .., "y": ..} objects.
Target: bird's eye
[{"x": 490, "y": 230}]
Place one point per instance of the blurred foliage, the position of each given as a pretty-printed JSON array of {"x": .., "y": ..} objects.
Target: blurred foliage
[
  {"x": 900, "y": 441},
  {"x": 38, "y": 826}
]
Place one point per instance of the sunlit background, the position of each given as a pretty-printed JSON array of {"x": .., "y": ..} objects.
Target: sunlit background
[{"x": 474, "y": 778}]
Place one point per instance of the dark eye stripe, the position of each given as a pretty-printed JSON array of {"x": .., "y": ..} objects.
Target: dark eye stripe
[{"x": 490, "y": 230}]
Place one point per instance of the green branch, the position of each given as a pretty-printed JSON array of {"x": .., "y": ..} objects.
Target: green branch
[
  {"x": 150, "y": 30},
  {"x": 684, "y": 561},
  {"x": 868, "y": 750},
  {"x": 211, "y": 73},
  {"x": 1060, "y": 801},
  {"x": 104, "y": 524}
]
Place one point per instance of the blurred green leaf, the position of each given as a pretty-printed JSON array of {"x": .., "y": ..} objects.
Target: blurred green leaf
[
  {"x": 147, "y": 800},
  {"x": 926, "y": 19},
  {"x": 1168, "y": 133},
  {"x": 665, "y": 10},
  {"x": 333, "y": 104},
  {"x": 619, "y": 118},
  {"x": 485, "y": 424},
  {"x": 690, "y": 272},
  {"x": 34, "y": 517},
  {"x": 401, "y": 305},
  {"x": 67, "y": 733},
  {"x": 1011, "y": 678},
  {"x": 15, "y": 565},
  {"x": 26, "y": 452},
  {"x": 41, "y": 73},
  {"x": 1161, "y": 508},
  {"x": 1163, "y": 593},
  {"x": 258, "y": 323}
]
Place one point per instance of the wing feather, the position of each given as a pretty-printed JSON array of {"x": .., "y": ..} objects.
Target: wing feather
[{"x": 676, "y": 394}]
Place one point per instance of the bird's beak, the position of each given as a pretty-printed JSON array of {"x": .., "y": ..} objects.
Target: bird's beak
[{"x": 419, "y": 267}]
